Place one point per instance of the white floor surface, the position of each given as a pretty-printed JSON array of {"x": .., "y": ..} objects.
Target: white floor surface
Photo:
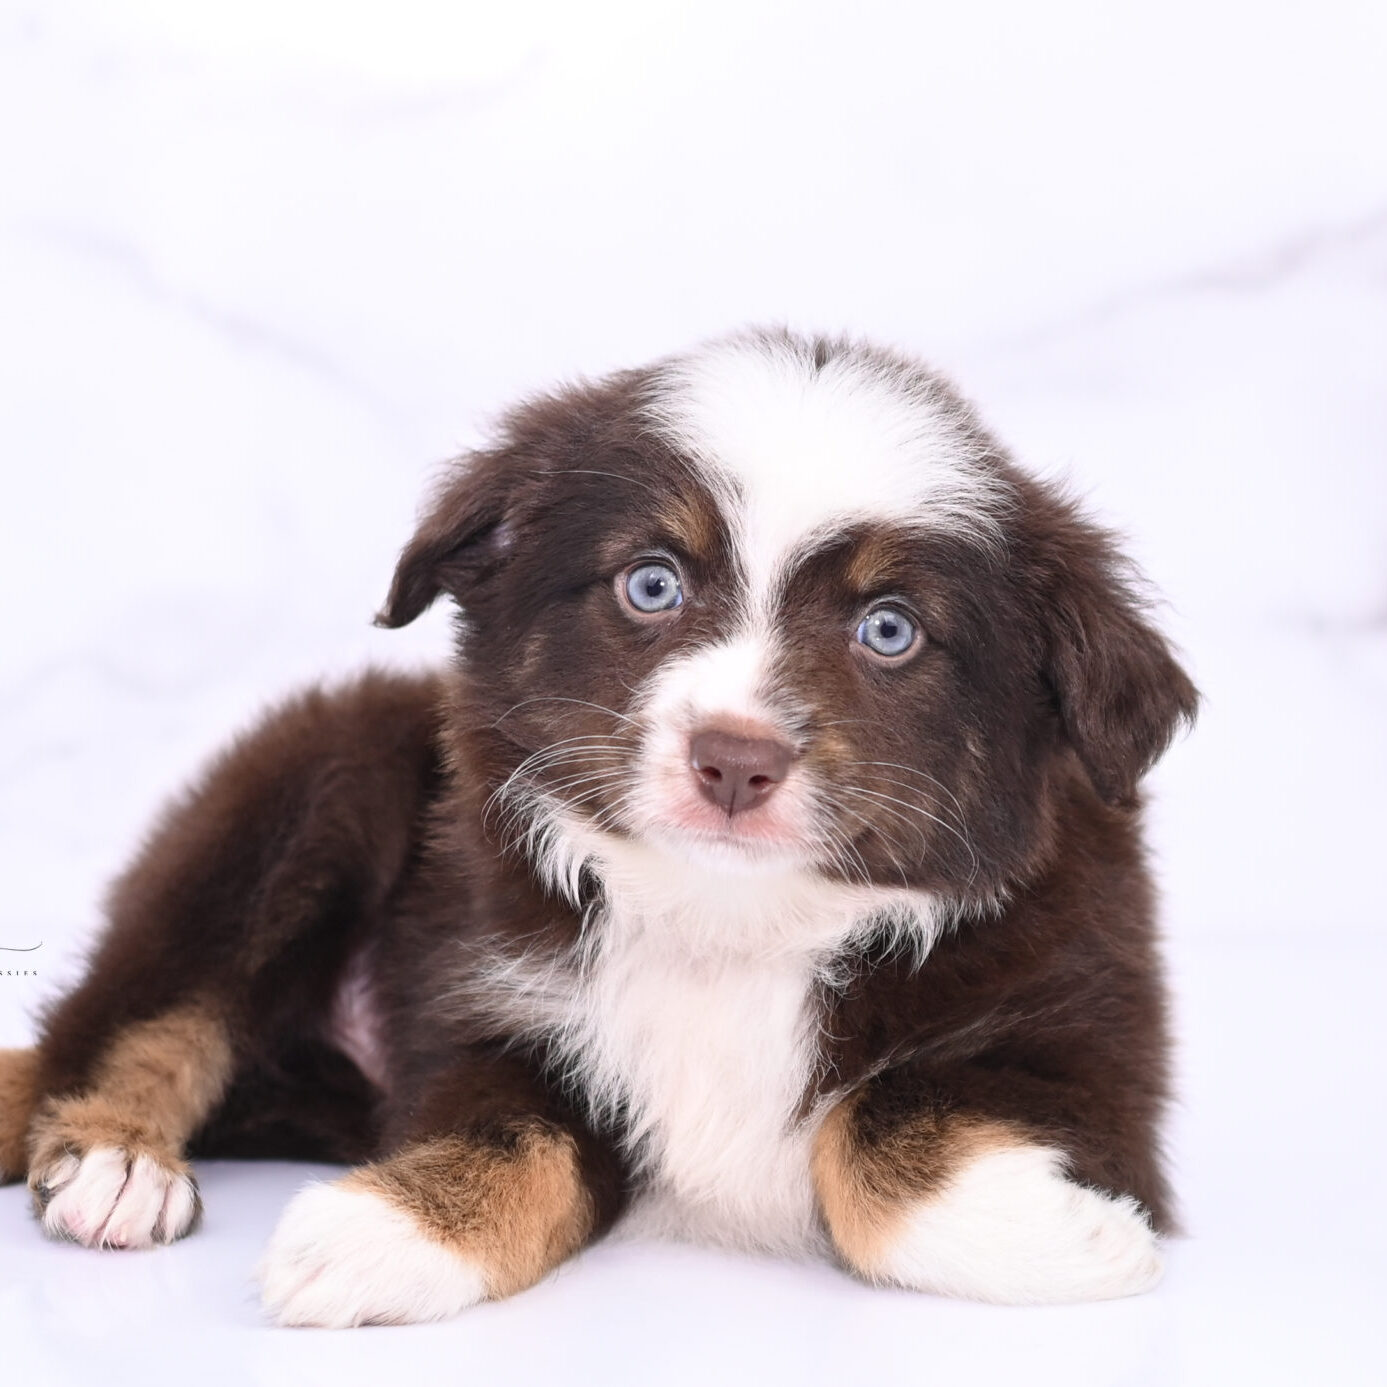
[{"x": 1279, "y": 1280}]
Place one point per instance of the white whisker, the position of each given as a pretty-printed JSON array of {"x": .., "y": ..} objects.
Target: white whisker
[
  {"x": 555, "y": 698},
  {"x": 880, "y": 796}
]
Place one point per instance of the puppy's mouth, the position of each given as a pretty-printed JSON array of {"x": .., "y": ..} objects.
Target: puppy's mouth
[
  {"x": 754, "y": 832},
  {"x": 729, "y": 846}
]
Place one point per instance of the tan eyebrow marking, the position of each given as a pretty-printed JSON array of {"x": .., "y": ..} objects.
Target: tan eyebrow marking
[
  {"x": 693, "y": 521},
  {"x": 874, "y": 560}
]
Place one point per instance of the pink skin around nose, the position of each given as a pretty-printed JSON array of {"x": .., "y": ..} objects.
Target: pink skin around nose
[{"x": 737, "y": 773}]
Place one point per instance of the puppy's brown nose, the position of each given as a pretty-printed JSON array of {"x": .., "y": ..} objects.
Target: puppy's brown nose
[{"x": 738, "y": 772}]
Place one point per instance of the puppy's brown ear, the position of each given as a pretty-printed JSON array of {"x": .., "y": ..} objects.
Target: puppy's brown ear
[
  {"x": 461, "y": 536},
  {"x": 1121, "y": 695}
]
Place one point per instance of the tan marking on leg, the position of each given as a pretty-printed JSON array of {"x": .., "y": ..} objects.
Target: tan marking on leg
[
  {"x": 516, "y": 1212},
  {"x": 153, "y": 1088},
  {"x": 151, "y": 1091},
  {"x": 866, "y": 1188},
  {"x": 18, "y": 1096}
]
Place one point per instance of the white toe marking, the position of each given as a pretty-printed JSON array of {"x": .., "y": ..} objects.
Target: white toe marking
[
  {"x": 1010, "y": 1228},
  {"x": 180, "y": 1210},
  {"x": 106, "y": 1199},
  {"x": 139, "y": 1206},
  {"x": 343, "y": 1257},
  {"x": 61, "y": 1171}
]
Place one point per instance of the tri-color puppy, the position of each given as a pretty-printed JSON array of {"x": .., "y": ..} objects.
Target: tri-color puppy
[{"x": 765, "y": 869}]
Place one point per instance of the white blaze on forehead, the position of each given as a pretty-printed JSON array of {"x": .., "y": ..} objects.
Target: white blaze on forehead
[
  {"x": 799, "y": 451},
  {"x": 725, "y": 678}
]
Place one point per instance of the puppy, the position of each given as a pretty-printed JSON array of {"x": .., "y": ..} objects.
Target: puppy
[{"x": 766, "y": 870}]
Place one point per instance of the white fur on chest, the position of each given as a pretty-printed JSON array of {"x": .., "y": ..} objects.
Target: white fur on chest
[
  {"x": 709, "y": 1062},
  {"x": 690, "y": 1016}
]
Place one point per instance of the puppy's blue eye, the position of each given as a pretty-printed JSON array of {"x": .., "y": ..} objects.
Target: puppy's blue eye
[
  {"x": 887, "y": 632},
  {"x": 654, "y": 587}
]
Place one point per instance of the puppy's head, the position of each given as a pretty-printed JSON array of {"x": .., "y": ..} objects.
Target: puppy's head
[{"x": 783, "y": 602}]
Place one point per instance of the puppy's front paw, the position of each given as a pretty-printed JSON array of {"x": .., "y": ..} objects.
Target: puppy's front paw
[
  {"x": 1011, "y": 1228},
  {"x": 343, "y": 1257},
  {"x": 110, "y": 1197}
]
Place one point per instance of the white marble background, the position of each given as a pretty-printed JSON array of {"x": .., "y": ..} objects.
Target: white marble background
[{"x": 263, "y": 265}]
